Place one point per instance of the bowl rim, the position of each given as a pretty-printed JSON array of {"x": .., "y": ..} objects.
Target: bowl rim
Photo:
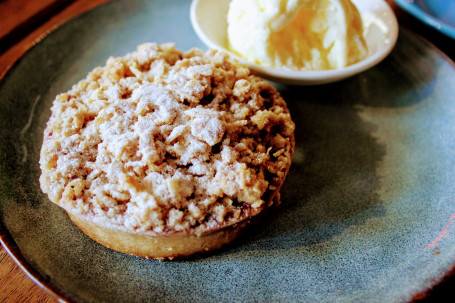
[{"x": 288, "y": 76}]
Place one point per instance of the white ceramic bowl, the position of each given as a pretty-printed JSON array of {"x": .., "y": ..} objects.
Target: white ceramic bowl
[{"x": 209, "y": 20}]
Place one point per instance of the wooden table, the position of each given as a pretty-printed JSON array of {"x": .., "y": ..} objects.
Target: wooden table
[{"x": 23, "y": 22}]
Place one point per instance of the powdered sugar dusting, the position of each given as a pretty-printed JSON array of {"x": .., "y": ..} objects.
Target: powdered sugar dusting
[{"x": 161, "y": 141}]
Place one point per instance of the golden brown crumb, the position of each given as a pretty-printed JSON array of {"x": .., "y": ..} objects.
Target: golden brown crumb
[{"x": 160, "y": 141}]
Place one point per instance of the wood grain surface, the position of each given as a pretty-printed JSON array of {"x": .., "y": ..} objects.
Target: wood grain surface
[
  {"x": 13, "y": 13},
  {"x": 15, "y": 286},
  {"x": 74, "y": 9},
  {"x": 20, "y": 18}
]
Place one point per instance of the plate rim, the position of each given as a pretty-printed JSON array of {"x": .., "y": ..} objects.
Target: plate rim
[
  {"x": 15, "y": 253},
  {"x": 414, "y": 9}
]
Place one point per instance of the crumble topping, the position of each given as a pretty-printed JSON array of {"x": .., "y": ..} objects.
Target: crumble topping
[{"x": 163, "y": 141}]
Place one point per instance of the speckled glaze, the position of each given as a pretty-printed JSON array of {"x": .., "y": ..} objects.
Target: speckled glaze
[{"x": 371, "y": 185}]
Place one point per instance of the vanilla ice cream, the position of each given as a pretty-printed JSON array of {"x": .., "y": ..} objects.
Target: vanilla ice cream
[{"x": 296, "y": 34}]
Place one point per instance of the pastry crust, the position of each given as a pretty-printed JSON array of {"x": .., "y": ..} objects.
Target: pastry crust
[
  {"x": 162, "y": 146},
  {"x": 161, "y": 247}
]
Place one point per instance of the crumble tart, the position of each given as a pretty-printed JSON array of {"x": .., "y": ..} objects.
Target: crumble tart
[{"x": 163, "y": 153}]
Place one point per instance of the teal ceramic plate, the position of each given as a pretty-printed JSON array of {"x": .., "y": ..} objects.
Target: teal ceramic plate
[
  {"x": 439, "y": 14},
  {"x": 370, "y": 190}
]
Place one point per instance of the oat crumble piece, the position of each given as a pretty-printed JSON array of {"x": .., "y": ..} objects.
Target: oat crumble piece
[{"x": 161, "y": 141}]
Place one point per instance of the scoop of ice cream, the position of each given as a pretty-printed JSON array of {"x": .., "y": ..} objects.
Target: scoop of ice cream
[{"x": 296, "y": 34}]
